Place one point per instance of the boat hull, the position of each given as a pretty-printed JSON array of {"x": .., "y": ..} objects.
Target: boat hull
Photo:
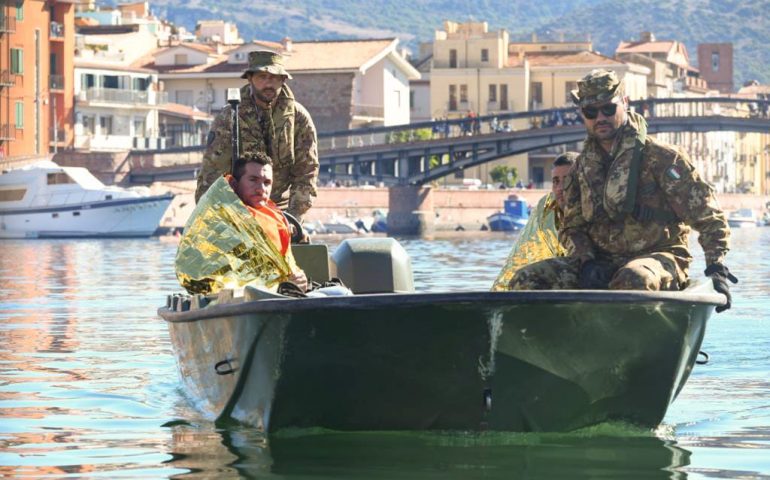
[
  {"x": 514, "y": 361},
  {"x": 128, "y": 217},
  {"x": 502, "y": 222}
]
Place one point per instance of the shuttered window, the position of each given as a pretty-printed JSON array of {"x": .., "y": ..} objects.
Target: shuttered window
[
  {"x": 17, "y": 61},
  {"x": 19, "y": 114}
]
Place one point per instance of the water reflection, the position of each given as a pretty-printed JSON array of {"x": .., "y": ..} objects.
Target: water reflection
[
  {"x": 88, "y": 382},
  {"x": 307, "y": 454}
]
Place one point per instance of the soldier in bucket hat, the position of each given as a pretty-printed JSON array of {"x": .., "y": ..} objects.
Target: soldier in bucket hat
[
  {"x": 630, "y": 203},
  {"x": 273, "y": 122}
]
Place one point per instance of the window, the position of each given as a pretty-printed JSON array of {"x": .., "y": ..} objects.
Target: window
[
  {"x": 493, "y": 93},
  {"x": 105, "y": 125},
  {"x": 139, "y": 127},
  {"x": 141, "y": 84},
  {"x": 75, "y": 214},
  {"x": 715, "y": 61},
  {"x": 452, "y": 98},
  {"x": 19, "y": 114},
  {"x": 89, "y": 124},
  {"x": 19, "y": 9},
  {"x": 411, "y": 99},
  {"x": 110, "y": 81},
  {"x": 463, "y": 93},
  {"x": 503, "y": 97},
  {"x": 87, "y": 80},
  {"x": 568, "y": 87},
  {"x": 12, "y": 195},
  {"x": 484, "y": 55},
  {"x": 453, "y": 58},
  {"x": 54, "y": 215},
  {"x": 536, "y": 93},
  {"x": 59, "y": 178},
  {"x": 17, "y": 61},
  {"x": 397, "y": 99},
  {"x": 180, "y": 59}
]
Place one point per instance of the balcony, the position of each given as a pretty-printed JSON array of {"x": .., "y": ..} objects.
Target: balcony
[
  {"x": 56, "y": 82},
  {"x": 57, "y": 30},
  {"x": 6, "y": 79},
  {"x": 7, "y": 24},
  {"x": 7, "y": 132},
  {"x": 122, "y": 96}
]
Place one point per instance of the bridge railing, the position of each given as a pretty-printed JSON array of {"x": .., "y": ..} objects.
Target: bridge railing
[{"x": 545, "y": 118}]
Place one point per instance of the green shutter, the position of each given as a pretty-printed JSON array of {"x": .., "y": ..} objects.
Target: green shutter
[
  {"x": 19, "y": 9},
  {"x": 17, "y": 61},
  {"x": 19, "y": 115}
]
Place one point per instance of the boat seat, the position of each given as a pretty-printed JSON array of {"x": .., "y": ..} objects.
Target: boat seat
[{"x": 314, "y": 261}]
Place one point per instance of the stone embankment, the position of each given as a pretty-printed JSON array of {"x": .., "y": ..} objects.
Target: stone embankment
[{"x": 452, "y": 208}]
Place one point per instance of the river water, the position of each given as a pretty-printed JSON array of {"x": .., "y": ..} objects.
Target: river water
[{"x": 89, "y": 385}]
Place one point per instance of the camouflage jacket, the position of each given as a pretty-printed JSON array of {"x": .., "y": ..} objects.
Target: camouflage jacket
[
  {"x": 290, "y": 138},
  {"x": 606, "y": 217}
]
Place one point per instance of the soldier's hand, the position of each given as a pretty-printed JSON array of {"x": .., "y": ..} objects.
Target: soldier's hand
[
  {"x": 594, "y": 275},
  {"x": 719, "y": 274}
]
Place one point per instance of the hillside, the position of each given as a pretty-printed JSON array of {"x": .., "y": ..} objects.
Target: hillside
[{"x": 745, "y": 23}]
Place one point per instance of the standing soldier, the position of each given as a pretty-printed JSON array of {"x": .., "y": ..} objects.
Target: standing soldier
[
  {"x": 630, "y": 203},
  {"x": 272, "y": 122}
]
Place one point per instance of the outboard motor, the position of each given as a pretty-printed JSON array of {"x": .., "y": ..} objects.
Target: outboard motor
[{"x": 374, "y": 265}]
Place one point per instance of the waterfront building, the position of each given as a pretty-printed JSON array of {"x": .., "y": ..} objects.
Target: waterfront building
[
  {"x": 344, "y": 84},
  {"x": 36, "y": 89}
]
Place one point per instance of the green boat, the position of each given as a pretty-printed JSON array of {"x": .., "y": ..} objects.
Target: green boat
[{"x": 399, "y": 360}]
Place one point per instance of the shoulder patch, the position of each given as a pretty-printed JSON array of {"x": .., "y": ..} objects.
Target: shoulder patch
[
  {"x": 210, "y": 139},
  {"x": 674, "y": 172}
]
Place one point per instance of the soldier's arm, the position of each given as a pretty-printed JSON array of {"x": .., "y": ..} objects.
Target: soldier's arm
[
  {"x": 217, "y": 157},
  {"x": 573, "y": 232},
  {"x": 304, "y": 172},
  {"x": 694, "y": 202}
]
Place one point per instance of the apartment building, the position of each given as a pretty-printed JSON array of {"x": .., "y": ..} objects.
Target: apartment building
[
  {"x": 36, "y": 99},
  {"x": 344, "y": 84}
]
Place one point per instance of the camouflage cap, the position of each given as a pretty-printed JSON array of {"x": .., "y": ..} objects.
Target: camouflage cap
[
  {"x": 265, "y": 61},
  {"x": 599, "y": 85}
]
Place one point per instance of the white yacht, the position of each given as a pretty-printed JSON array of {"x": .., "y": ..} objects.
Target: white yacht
[
  {"x": 742, "y": 218},
  {"x": 45, "y": 200}
]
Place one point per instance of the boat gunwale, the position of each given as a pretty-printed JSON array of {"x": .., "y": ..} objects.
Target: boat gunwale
[{"x": 486, "y": 299}]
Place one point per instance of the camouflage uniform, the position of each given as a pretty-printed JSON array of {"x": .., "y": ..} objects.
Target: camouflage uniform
[
  {"x": 632, "y": 212},
  {"x": 285, "y": 132}
]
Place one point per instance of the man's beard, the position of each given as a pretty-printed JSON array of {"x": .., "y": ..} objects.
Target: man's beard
[{"x": 262, "y": 98}]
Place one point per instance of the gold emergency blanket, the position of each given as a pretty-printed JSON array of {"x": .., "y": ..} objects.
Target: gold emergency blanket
[
  {"x": 223, "y": 246},
  {"x": 537, "y": 241}
]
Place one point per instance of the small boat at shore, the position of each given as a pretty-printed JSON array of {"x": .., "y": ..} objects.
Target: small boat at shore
[
  {"x": 45, "y": 200},
  {"x": 742, "y": 218},
  {"x": 387, "y": 358},
  {"x": 513, "y": 217}
]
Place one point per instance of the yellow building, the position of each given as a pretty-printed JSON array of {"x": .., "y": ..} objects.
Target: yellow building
[{"x": 478, "y": 72}]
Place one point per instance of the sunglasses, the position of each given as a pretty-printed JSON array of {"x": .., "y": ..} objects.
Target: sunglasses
[{"x": 607, "y": 110}]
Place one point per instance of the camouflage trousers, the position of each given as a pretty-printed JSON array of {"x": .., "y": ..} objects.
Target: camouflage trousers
[{"x": 654, "y": 271}]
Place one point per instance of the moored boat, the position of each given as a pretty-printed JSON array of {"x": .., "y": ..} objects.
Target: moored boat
[
  {"x": 513, "y": 217},
  {"x": 45, "y": 200},
  {"x": 398, "y": 360},
  {"x": 742, "y": 218}
]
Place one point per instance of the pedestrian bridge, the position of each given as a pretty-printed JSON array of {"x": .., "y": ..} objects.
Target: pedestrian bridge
[{"x": 419, "y": 153}]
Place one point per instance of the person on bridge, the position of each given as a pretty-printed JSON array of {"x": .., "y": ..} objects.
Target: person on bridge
[
  {"x": 270, "y": 121},
  {"x": 539, "y": 239},
  {"x": 630, "y": 203}
]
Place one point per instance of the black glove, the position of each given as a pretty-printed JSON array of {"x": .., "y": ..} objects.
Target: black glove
[
  {"x": 594, "y": 275},
  {"x": 719, "y": 274}
]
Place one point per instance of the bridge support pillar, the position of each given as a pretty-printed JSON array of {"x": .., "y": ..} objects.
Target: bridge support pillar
[{"x": 410, "y": 210}]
